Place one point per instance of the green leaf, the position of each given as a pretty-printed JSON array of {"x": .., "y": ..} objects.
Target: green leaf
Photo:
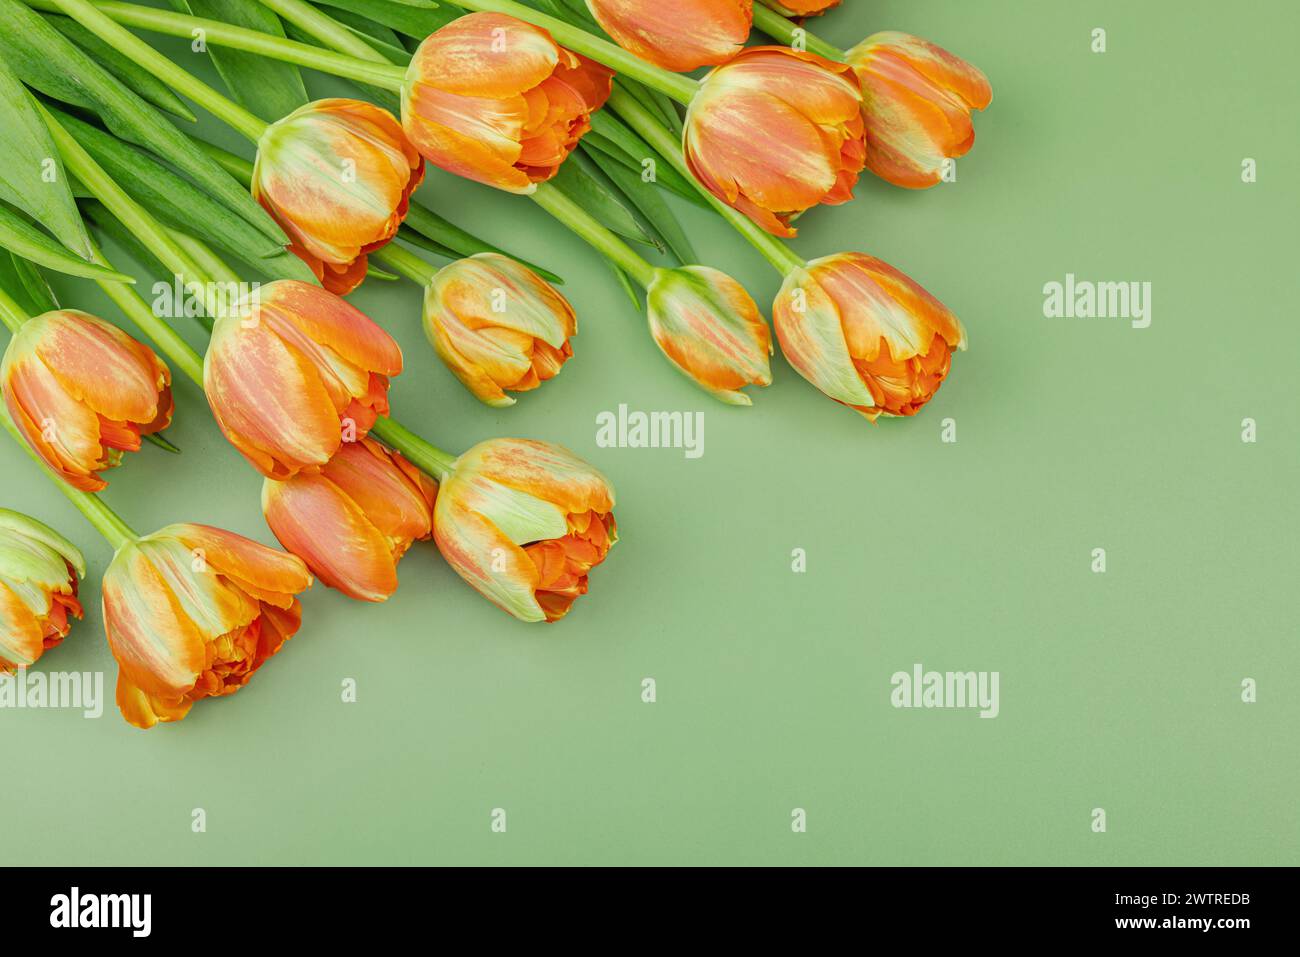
[
  {"x": 414, "y": 21},
  {"x": 627, "y": 285},
  {"x": 374, "y": 272},
  {"x": 650, "y": 204},
  {"x": 107, "y": 225},
  {"x": 157, "y": 439},
  {"x": 377, "y": 95},
  {"x": 176, "y": 203},
  {"x": 581, "y": 181},
  {"x": 23, "y": 239},
  {"x": 53, "y": 64},
  {"x": 614, "y": 134},
  {"x": 428, "y": 224},
  {"x": 265, "y": 87},
  {"x": 658, "y": 104},
  {"x": 25, "y": 284},
  {"x": 377, "y": 35},
  {"x": 31, "y": 175},
  {"x": 140, "y": 80}
]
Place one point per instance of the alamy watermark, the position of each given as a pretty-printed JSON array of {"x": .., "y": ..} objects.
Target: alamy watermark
[
  {"x": 634, "y": 429},
  {"x": 1085, "y": 299},
  {"x": 178, "y": 298},
  {"x": 946, "y": 689},
  {"x": 57, "y": 690}
]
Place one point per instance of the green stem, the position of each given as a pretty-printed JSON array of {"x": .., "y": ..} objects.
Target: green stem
[
  {"x": 176, "y": 349},
  {"x": 406, "y": 262},
  {"x": 781, "y": 257},
  {"x": 775, "y": 24},
  {"x": 596, "y": 235},
  {"x": 132, "y": 47},
  {"x": 12, "y": 314},
  {"x": 214, "y": 32},
  {"x": 107, "y": 522},
  {"x": 316, "y": 23},
  {"x": 680, "y": 88},
  {"x": 130, "y": 213},
  {"x": 425, "y": 455}
]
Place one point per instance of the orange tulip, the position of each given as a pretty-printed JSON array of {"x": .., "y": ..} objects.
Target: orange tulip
[
  {"x": 524, "y": 522},
  {"x": 865, "y": 334},
  {"x": 918, "y": 102},
  {"x": 775, "y": 131},
  {"x": 497, "y": 325},
  {"x": 191, "y": 612},
  {"x": 82, "y": 392},
  {"x": 337, "y": 175},
  {"x": 679, "y": 35},
  {"x": 806, "y": 8},
  {"x": 293, "y": 372},
  {"x": 39, "y": 569},
  {"x": 352, "y": 522},
  {"x": 496, "y": 100},
  {"x": 710, "y": 329}
]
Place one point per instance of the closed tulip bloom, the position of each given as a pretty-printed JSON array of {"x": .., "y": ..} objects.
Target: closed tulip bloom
[
  {"x": 496, "y": 100},
  {"x": 917, "y": 100},
  {"x": 497, "y": 325},
  {"x": 337, "y": 175},
  {"x": 39, "y": 570},
  {"x": 192, "y": 612},
  {"x": 354, "y": 520},
  {"x": 294, "y": 371},
  {"x": 710, "y": 329},
  {"x": 678, "y": 35},
  {"x": 82, "y": 392},
  {"x": 774, "y": 131},
  {"x": 865, "y": 334},
  {"x": 524, "y": 522}
]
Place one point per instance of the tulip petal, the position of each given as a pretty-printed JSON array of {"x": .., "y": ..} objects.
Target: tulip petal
[
  {"x": 21, "y": 641},
  {"x": 489, "y": 561},
  {"x": 543, "y": 470},
  {"x": 317, "y": 522},
  {"x": 678, "y": 35},
  {"x": 808, "y": 326},
  {"x": 271, "y": 575}
]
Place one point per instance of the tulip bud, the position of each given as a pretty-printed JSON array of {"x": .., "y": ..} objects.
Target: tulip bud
[
  {"x": 496, "y": 100},
  {"x": 192, "y": 612},
  {"x": 917, "y": 100},
  {"x": 39, "y": 569},
  {"x": 82, "y": 392},
  {"x": 678, "y": 35},
  {"x": 293, "y": 372},
  {"x": 524, "y": 522},
  {"x": 774, "y": 131},
  {"x": 710, "y": 329},
  {"x": 337, "y": 175},
  {"x": 497, "y": 325},
  {"x": 865, "y": 334},
  {"x": 354, "y": 520}
]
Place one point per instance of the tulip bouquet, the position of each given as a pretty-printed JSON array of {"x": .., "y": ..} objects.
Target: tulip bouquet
[{"x": 584, "y": 109}]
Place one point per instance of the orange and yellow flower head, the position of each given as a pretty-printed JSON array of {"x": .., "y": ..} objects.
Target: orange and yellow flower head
[
  {"x": 192, "y": 612},
  {"x": 355, "y": 519},
  {"x": 497, "y": 325},
  {"x": 865, "y": 334},
  {"x": 524, "y": 522},
  {"x": 710, "y": 329},
  {"x": 295, "y": 371},
  {"x": 39, "y": 571},
  {"x": 82, "y": 392},
  {"x": 337, "y": 175},
  {"x": 496, "y": 100},
  {"x": 806, "y": 8},
  {"x": 679, "y": 35},
  {"x": 918, "y": 99},
  {"x": 774, "y": 131}
]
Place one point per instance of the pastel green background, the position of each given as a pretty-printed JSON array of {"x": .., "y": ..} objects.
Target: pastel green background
[{"x": 1119, "y": 691}]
